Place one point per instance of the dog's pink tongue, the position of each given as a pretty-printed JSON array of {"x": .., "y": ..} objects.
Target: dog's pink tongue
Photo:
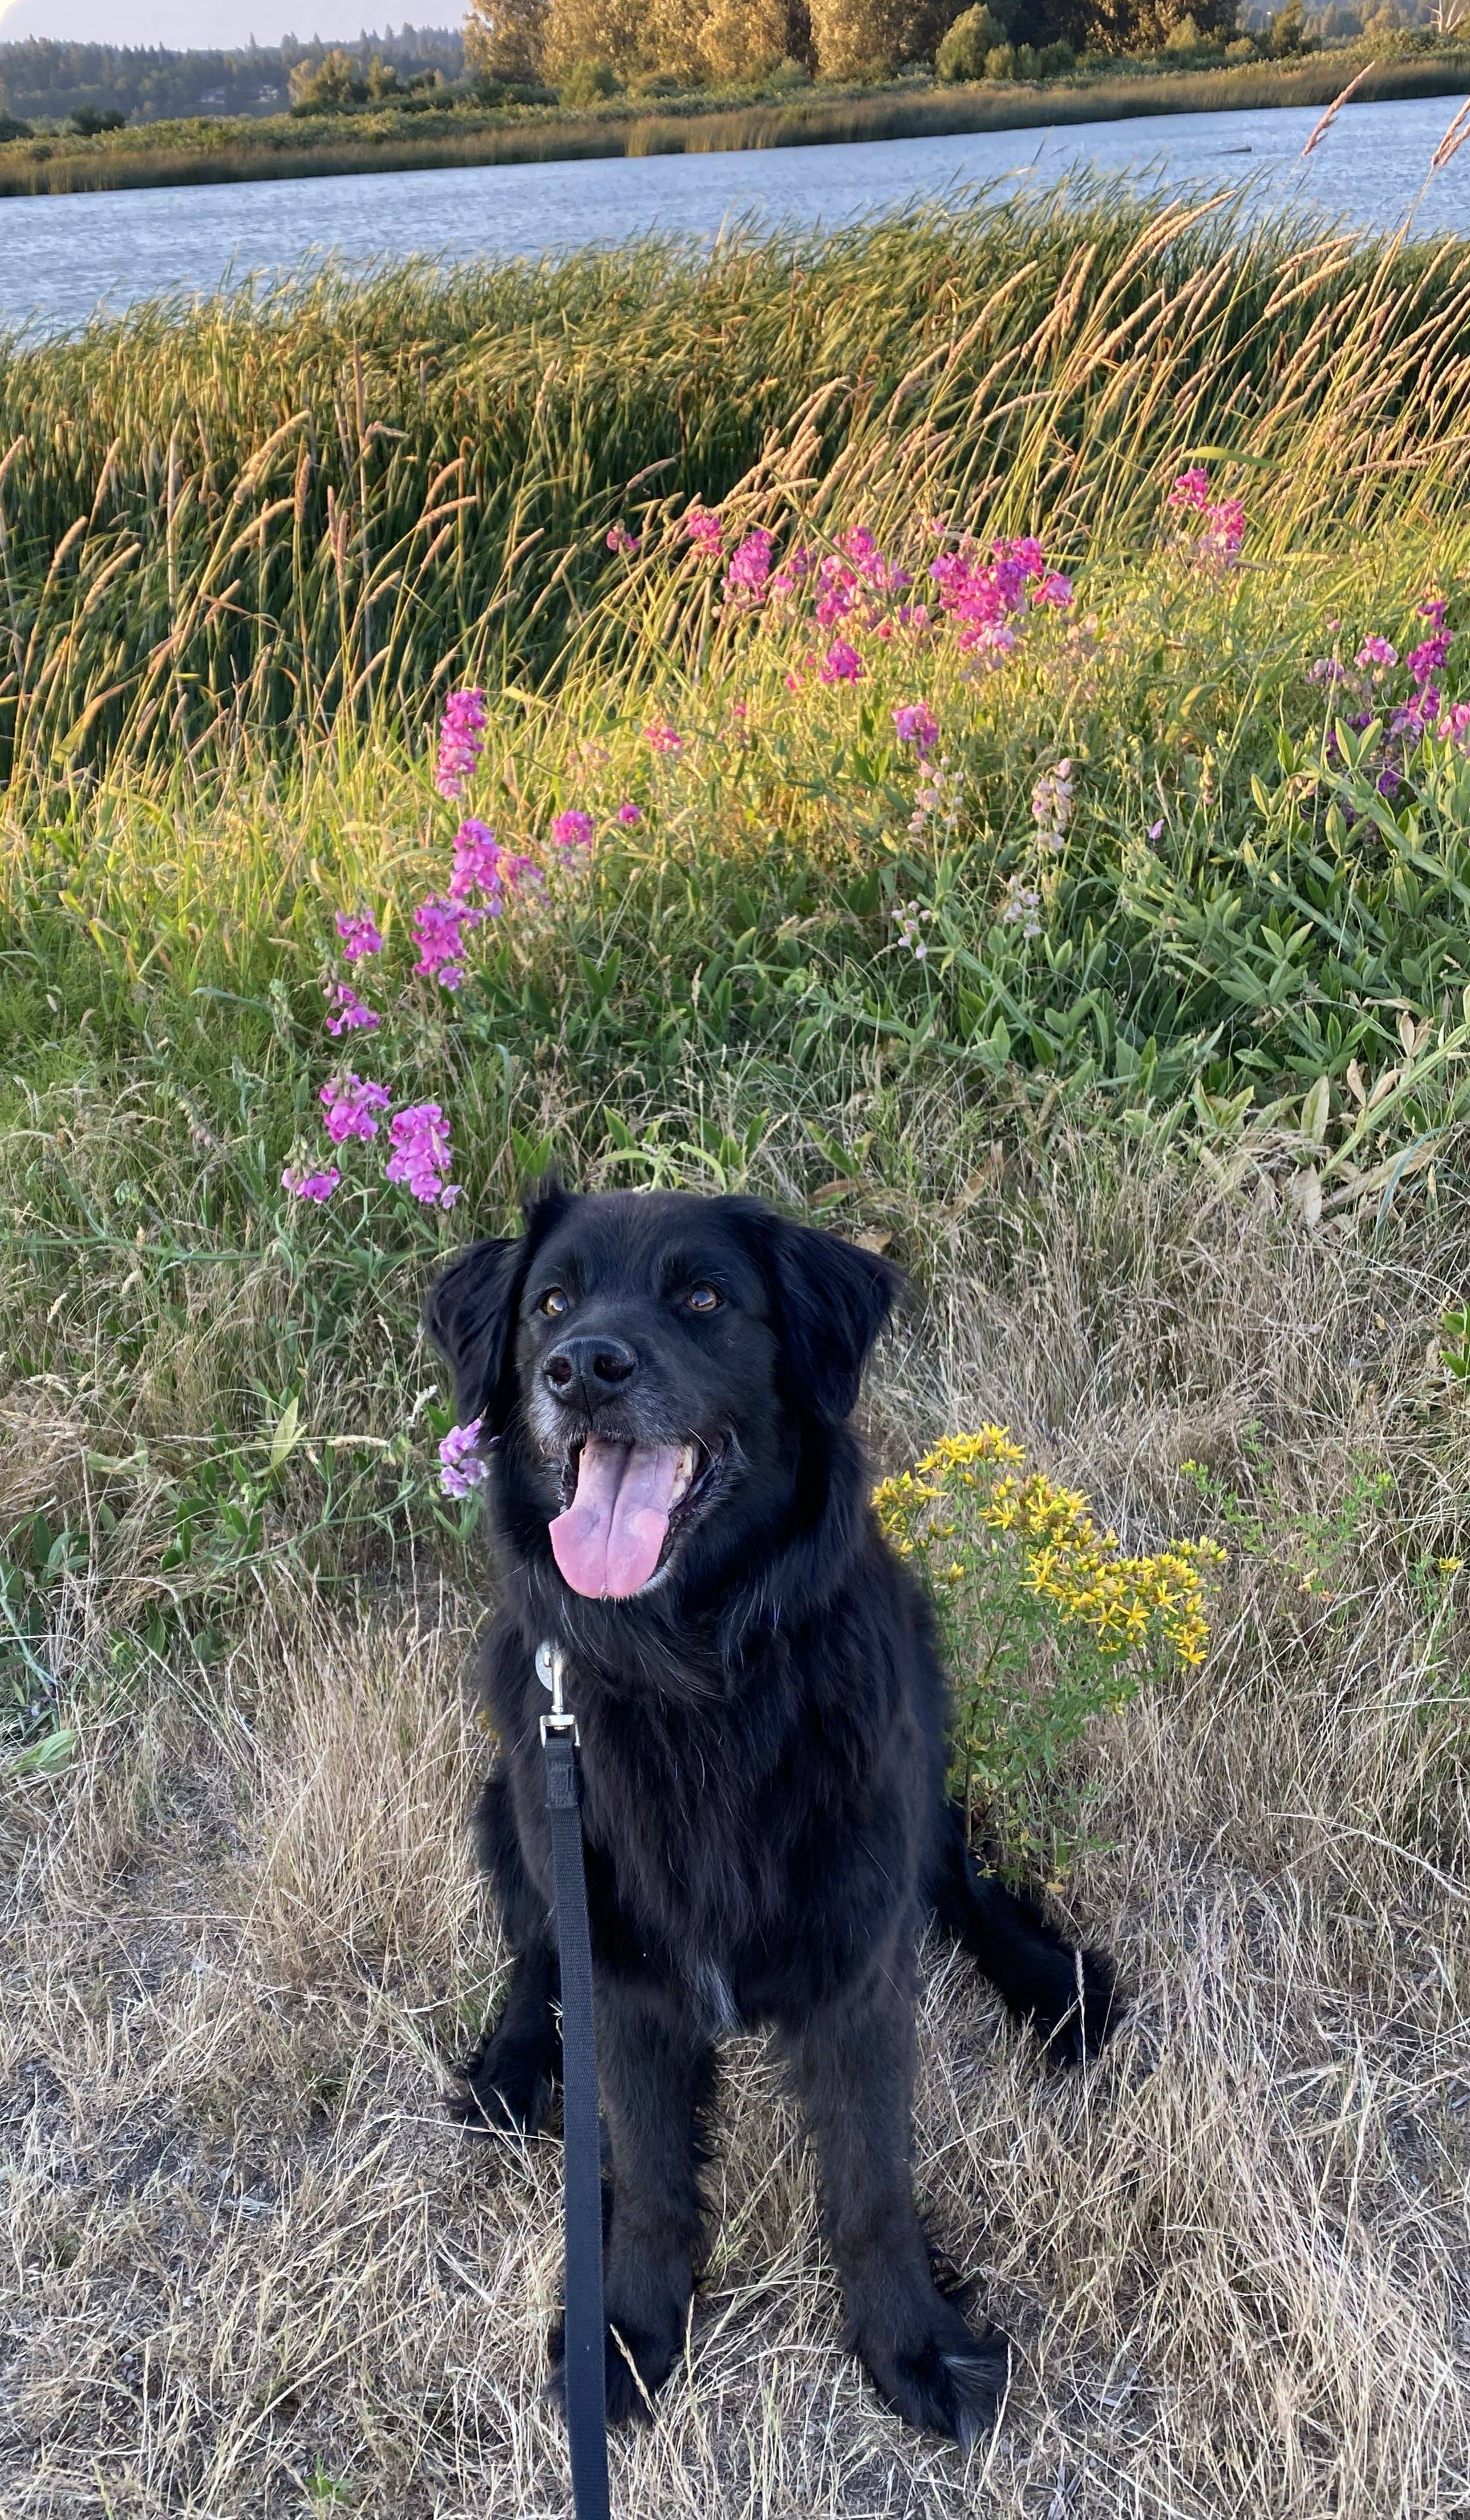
[{"x": 610, "y": 1538}]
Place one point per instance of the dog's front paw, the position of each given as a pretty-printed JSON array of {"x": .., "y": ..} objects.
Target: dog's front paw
[
  {"x": 639, "y": 2360},
  {"x": 506, "y": 2089},
  {"x": 937, "y": 2372},
  {"x": 1081, "y": 2009}
]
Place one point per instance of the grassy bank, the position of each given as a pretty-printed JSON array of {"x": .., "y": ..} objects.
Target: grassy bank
[
  {"x": 390, "y": 141},
  {"x": 1099, "y": 950}
]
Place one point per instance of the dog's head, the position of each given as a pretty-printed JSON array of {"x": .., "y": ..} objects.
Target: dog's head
[{"x": 655, "y": 1367}]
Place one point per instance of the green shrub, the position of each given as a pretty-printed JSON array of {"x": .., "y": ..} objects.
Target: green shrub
[
  {"x": 588, "y": 83},
  {"x": 966, "y": 49},
  {"x": 1046, "y": 1625},
  {"x": 1001, "y": 61},
  {"x": 1055, "y": 61}
]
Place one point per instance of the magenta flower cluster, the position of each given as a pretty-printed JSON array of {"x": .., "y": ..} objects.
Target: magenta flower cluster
[
  {"x": 572, "y": 831},
  {"x": 705, "y": 530},
  {"x": 421, "y": 1156},
  {"x": 439, "y": 925},
  {"x": 352, "y": 1104},
  {"x": 461, "y": 1469},
  {"x": 359, "y": 935},
  {"x": 988, "y": 596},
  {"x": 351, "y": 1014},
  {"x": 1222, "y": 519},
  {"x": 915, "y": 723},
  {"x": 462, "y": 738},
  {"x": 1419, "y": 710}
]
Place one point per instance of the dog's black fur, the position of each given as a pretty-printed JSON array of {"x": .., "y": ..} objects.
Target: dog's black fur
[{"x": 763, "y": 1734}]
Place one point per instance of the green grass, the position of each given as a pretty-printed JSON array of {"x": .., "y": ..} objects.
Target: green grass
[{"x": 385, "y": 140}]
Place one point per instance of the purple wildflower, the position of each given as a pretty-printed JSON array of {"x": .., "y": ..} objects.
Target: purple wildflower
[
  {"x": 572, "y": 831},
  {"x": 706, "y": 531},
  {"x": 349, "y": 1103},
  {"x": 421, "y": 1156},
  {"x": 462, "y": 1469},
  {"x": 629, "y": 814},
  {"x": 352, "y": 1013},
  {"x": 1192, "y": 489},
  {"x": 462, "y": 739},
  {"x": 1430, "y": 659},
  {"x": 916, "y": 723},
  {"x": 478, "y": 864},
  {"x": 318, "y": 1186},
  {"x": 438, "y": 933},
  {"x": 841, "y": 663},
  {"x": 745, "y": 579},
  {"x": 359, "y": 935},
  {"x": 1376, "y": 652}
]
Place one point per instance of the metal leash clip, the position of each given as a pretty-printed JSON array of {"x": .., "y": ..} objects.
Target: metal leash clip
[{"x": 551, "y": 1668}]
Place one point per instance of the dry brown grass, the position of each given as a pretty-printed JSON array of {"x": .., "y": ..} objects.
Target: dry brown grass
[{"x": 249, "y": 2270}]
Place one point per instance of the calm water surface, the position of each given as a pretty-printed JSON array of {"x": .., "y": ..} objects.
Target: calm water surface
[{"x": 62, "y": 257}]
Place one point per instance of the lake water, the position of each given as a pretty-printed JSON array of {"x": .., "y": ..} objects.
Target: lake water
[{"x": 62, "y": 256}]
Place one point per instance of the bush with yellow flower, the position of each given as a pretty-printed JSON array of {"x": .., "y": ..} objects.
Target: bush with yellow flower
[{"x": 1048, "y": 1623}]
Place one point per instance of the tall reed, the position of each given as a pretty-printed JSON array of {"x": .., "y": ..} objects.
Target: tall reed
[{"x": 258, "y": 520}]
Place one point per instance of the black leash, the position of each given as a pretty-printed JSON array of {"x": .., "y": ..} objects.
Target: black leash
[{"x": 583, "y": 2350}]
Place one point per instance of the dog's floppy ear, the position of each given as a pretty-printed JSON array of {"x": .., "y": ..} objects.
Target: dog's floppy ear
[
  {"x": 833, "y": 1299},
  {"x": 471, "y": 1314}
]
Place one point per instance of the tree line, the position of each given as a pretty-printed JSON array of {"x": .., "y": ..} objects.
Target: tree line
[{"x": 104, "y": 84}]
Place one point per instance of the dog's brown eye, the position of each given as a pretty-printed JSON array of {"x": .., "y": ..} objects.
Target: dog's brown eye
[
  {"x": 553, "y": 1301},
  {"x": 703, "y": 1299}
]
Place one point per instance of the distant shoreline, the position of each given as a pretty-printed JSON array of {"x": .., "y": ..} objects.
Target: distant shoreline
[{"x": 393, "y": 142}]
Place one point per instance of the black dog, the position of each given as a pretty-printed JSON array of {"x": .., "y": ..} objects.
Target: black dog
[{"x": 677, "y": 1498}]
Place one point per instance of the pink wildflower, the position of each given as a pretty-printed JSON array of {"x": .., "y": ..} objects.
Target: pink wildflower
[
  {"x": 1454, "y": 726},
  {"x": 745, "y": 579},
  {"x": 1054, "y": 591},
  {"x": 1433, "y": 611},
  {"x": 663, "y": 738},
  {"x": 318, "y": 1186},
  {"x": 1430, "y": 659},
  {"x": 359, "y": 935},
  {"x": 352, "y": 1015},
  {"x": 438, "y": 933},
  {"x": 1192, "y": 489},
  {"x": 620, "y": 540},
  {"x": 350, "y": 1102},
  {"x": 841, "y": 663},
  {"x": 478, "y": 864},
  {"x": 1376, "y": 652},
  {"x": 629, "y": 814},
  {"x": 916, "y": 723},
  {"x": 462, "y": 1469},
  {"x": 704, "y": 530},
  {"x": 421, "y": 1156},
  {"x": 986, "y": 598},
  {"x": 797, "y": 565},
  {"x": 572, "y": 831},
  {"x": 462, "y": 740}
]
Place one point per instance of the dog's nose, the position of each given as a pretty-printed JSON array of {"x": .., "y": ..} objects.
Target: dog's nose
[{"x": 590, "y": 1368}]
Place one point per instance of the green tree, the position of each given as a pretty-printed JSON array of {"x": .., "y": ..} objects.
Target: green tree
[
  {"x": 744, "y": 39},
  {"x": 506, "y": 40},
  {"x": 962, "y": 51},
  {"x": 860, "y": 38}
]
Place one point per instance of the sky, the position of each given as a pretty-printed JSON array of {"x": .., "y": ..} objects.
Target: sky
[{"x": 205, "y": 24}]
